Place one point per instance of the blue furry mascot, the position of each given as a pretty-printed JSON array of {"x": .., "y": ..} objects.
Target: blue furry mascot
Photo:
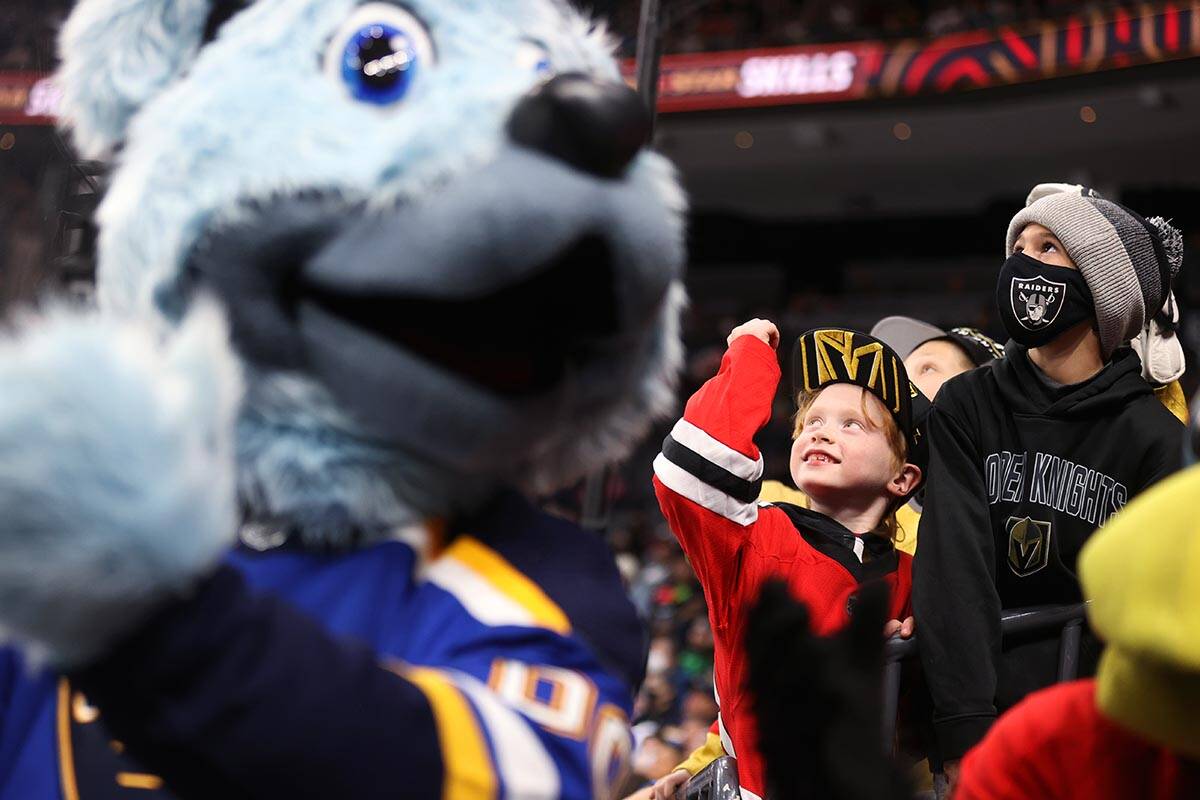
[{"x": 370, "y": 274}]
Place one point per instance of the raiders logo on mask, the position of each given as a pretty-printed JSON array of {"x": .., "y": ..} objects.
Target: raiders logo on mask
[
  {"x": 1036, "y": 301},
  {"x": 1028, "y": 545}
]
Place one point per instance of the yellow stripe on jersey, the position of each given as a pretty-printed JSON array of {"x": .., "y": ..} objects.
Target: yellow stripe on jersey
[
  {"x": 469, "y": 773},
  {"x": 510, "y": 582},
  {"x": 66, "y": 756}
]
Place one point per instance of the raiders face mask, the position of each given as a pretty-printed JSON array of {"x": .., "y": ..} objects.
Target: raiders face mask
[{"x": 1039, "y": 301}]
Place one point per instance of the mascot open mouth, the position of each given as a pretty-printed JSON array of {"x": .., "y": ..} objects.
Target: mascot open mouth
[
  {"x": 518, "y": 339},
  {"x": 507, "y": 315}
]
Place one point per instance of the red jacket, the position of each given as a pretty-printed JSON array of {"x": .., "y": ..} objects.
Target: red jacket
[
  {"x": 1056, "y": 745},
  {"x": 707, "y": 480}
]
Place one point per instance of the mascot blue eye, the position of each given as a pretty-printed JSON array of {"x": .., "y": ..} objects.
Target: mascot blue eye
[
  {"x": 379, "y": 64},
  {"x": 534, "y": 57},
  {"x": 379, "y": 53}
]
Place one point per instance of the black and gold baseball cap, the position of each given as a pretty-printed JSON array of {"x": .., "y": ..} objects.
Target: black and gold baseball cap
[{"x": 825, "y": 356}]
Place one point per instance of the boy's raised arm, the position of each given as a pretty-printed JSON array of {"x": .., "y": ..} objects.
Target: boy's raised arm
[
  {"x": 708, "y": 475},
  {"x": 954, "y": 589}
]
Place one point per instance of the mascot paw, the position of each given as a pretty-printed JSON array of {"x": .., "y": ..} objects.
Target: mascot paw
[
  {"x": 116, "y": 473},
  {"x": 817, "y": 700}
]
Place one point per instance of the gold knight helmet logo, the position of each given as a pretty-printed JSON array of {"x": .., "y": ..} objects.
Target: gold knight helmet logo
[
  {"x": 838, "y": 357},
  {"x": 1028, "y": 545}
]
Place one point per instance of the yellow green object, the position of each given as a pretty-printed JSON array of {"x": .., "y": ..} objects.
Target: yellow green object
[
  {"x": 1141, "y": 573},
  {"x": 1173, "y": 398},
  {"x": 703, "y": 755}
]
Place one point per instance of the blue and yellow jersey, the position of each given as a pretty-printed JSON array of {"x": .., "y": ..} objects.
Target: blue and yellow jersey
[{"x": 501, "y": 664}]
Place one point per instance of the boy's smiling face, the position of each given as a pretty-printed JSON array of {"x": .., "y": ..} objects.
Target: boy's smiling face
[{"x": 842, "y": 453}]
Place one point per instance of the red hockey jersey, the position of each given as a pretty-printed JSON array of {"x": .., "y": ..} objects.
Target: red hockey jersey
[{"x": 707, "y": 480}]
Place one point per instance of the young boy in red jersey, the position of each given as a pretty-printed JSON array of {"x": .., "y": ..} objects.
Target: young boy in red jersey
[{"x": 853, "y": 455}]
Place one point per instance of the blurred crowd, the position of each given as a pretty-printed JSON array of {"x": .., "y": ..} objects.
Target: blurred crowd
[
  {"x": 22, "y": 240},
  {"x": 27, "y": 27},
  {"x": 701, "y": 25},
  {"x": 27, "y": 31}
]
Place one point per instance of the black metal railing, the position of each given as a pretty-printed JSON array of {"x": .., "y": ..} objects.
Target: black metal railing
[{"x": 1068, "y": 620}]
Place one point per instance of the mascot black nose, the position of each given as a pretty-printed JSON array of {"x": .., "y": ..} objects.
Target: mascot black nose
[{"x": 592, "y": 125}]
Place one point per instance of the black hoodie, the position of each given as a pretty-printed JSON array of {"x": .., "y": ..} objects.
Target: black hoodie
[{"x": 1021, "y": 473}]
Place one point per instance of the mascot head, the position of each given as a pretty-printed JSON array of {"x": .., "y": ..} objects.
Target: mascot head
[{"x": 448, "y": 260}]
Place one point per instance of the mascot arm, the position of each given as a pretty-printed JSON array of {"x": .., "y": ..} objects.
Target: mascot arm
[
  {"x": 230, "y": 694},
  {"x": 234, "y": 694},
  {"x": 708, "y": 475}
]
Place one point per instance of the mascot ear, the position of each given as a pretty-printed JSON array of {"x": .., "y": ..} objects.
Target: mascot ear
[{"x": 119, "y": 54}]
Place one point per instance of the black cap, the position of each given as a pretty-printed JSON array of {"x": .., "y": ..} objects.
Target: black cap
[
  {"x": 824, "y": 356},
  {"x": 979, "y": 347},
  {"x": 906, "y": 334}
]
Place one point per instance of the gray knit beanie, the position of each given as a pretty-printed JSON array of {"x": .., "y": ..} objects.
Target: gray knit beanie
[{"x": 1128, "y": 261}]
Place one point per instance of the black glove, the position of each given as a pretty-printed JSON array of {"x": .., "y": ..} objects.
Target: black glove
[{"x": 818, "y": 700}]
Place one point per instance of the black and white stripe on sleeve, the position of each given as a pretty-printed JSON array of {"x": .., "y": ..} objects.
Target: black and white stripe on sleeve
[{"x": 707, "y": 472}]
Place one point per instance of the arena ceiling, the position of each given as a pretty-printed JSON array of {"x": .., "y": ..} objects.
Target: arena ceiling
[{"x": 1118, "y": 130}]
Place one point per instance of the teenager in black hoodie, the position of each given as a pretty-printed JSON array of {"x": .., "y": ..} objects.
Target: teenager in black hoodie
[{"x": 1029, "y": 455}]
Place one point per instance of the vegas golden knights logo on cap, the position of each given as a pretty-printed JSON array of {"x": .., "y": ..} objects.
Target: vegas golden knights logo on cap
[{"x": 841, "y": 356}]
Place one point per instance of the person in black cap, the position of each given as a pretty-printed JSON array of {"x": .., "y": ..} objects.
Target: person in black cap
[
  {"x": 857, "y": 455},
  {"x": 933, "y": 356}
]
